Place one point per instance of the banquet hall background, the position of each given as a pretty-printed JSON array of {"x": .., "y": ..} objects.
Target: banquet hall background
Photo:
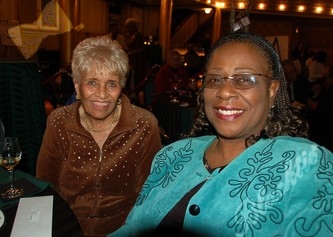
[{"x": 38, "y": 37}]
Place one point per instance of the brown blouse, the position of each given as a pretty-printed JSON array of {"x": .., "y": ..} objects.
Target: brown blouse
[{"x": 100, "y": 186}]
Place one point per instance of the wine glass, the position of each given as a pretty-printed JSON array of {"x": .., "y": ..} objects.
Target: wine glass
[
  {"x": 10, "y": 156},
  {"x": 175, "y": 93},
  {"x": 175, "y": 90},
  {"x": 2, "y": 131}
]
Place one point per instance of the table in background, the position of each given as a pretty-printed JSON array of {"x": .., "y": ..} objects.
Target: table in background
[
  {"x": 64, "y": 222},
  {"x": 175, "y": 118}
]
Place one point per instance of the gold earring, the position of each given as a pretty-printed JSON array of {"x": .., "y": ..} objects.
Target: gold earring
[
  {"x": 119, "y": 101},
  {"x": 78, "y": 96}
]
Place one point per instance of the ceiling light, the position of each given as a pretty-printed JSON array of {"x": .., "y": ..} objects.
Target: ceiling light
[
  {"x": 318, "y": 9},
  {"x": 241, "y": 5},
  {"x": 220, "y": 4},
  {"x": 282, "y": 7},
  {"x": 208, "y": 10},
  {"x": 300, "y": 8},
  {"x": 261, "y": 6}
]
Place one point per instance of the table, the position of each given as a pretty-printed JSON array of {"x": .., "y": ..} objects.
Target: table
[
  {"x": 175, "y": 118},
  {"x": 64, "y": 222}
]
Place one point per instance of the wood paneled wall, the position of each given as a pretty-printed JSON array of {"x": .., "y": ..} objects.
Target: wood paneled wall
[{"x": 95, "y": 17}]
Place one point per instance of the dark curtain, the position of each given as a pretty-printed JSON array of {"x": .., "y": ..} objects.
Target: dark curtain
[{"x": 22, "y": 109}]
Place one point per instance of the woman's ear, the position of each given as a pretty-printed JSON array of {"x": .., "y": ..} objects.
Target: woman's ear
[
  {"x": 77, "y": 90},
  {"x": 273, "y": 89},
  {"x": 76, "y": 86}
]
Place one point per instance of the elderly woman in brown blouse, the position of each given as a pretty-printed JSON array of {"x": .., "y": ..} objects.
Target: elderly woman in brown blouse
[{"x": 97, "y": 152}]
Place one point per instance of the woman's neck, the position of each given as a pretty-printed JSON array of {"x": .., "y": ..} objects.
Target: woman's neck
[
  {"x": 221, "y": 152},
  {"x": 99, "y": 126}
]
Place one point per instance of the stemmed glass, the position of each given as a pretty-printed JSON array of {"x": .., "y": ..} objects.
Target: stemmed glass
[
  {"x": 2, "y": 131},
  {"x": 10, "y": 156},
  {"x": 175, "y": 91}
]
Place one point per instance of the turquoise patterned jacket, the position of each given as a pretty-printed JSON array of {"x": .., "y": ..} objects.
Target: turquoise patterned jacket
[{"x": 277, "y": 187}]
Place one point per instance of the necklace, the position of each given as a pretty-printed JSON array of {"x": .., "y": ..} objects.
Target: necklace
[
  {"x": 206, "y": 164},
  {"x": 209, "y": 162},
  {"x": 107, "y": 128},
  {"x": 207, "y": 155}
]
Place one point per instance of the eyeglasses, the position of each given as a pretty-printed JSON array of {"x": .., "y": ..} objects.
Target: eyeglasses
[{"x": 239, "y": 81}]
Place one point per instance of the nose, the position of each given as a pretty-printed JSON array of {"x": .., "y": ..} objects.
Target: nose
[
  {"x": 227, "y": 90},
  {"x": 101, "y": 91}
]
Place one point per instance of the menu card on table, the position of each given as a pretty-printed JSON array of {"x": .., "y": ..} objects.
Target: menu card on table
[{"x": 33, "y": 217}]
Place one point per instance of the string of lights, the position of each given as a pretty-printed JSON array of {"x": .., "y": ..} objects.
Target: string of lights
[{"x": 305, "y": 7}]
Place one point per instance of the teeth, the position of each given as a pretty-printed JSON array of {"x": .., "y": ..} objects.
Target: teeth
[
  {"x": 229, "y": 112},
  {"x": 100, "y": 103}
]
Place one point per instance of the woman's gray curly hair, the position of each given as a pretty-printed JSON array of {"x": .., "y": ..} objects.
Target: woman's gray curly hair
[
  {"x": 103, "y": 53},
  {"x": 281, "y": 119}
]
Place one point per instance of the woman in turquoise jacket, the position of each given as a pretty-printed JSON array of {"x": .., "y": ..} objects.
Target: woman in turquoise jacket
[{"x": 256, "y": 176}]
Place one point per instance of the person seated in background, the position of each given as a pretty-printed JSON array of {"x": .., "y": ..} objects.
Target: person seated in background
[
  {"x": 137, "y": 58},
  {"x": 58, "y": 88},
  {"x": 316, "y": 90},
  {"x": 192, "y": 61},
  {"x": 172, "y": 75},
  {"x": 295, "y": 87},
  {"x": 97, "y": 151},
  {"x": 115, "y": 35},
  {"x": 316, "y": 67},
  {"x": 257, "y": 176},
  {"x": 321, "y": 126}
]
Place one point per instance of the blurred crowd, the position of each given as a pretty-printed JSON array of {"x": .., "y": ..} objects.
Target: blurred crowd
[
  {"x": 310, "y": 87},
  {"x": 309, "y": 79}
]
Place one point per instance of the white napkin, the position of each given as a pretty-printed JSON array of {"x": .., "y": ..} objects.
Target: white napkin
[{"x": 33, "y": 217}]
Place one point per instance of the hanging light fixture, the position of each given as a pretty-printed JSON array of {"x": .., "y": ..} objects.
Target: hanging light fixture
[{"x": 208, "y": 10}]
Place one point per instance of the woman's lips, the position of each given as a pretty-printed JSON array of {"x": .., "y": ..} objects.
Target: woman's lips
[
  {"x": 228, "y": 113},
  {"x": 101, "y": 105}
]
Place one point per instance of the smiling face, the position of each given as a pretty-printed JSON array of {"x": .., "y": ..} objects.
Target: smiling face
[
  {"x": 235, "y": 113},
  {"x": 99, "y": 90}
]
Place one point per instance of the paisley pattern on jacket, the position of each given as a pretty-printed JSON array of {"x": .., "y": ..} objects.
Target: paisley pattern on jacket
[
  {"x": 277, "y": 187},
  {"x": 169, "y": 163}
]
